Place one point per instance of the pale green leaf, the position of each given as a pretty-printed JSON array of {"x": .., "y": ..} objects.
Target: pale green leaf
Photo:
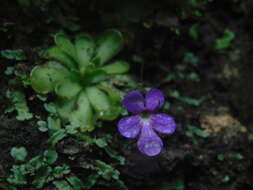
[
  {"x": 19, "y": 154},
  {"x": 54, "y": 124},
  {"x": 68, "y": 89},
  {"x": 101, "y": 103},
  {"x": 118, "y": 67},
  {"x": 50, "y": 107},
  {"x": 57, "y": 54},
  {"x": 18, "y": 100},
  {"x": 82, "y": 116},
  {"x": 101, "y": 142},
  {"x": 45, "y": 77},
  {"x": 62, "y": 41},
  {"x": 84, "y": 48},
  {"x": 9, "y": 71},
  {"x": 42, "y": 126},
  {"x": 113, "y": 93},
  {"x": 109, "y": 44},
  {"x": 64, "y": 108}
]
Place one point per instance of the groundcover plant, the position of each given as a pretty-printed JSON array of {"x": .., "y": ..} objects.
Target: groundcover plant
[{"x": 77, "y": 74}]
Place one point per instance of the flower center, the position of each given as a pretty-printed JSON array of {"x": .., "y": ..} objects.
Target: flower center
[{"x": 145, "y": 118}]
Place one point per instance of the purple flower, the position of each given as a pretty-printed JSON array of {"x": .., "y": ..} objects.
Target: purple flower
[{"x": 146, "y": 121}]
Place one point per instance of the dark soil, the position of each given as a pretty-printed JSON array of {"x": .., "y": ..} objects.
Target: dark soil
[{"x": 225, "y": 86}]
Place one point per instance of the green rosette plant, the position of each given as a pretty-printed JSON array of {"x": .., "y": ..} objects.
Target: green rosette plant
[{"x": 78, "y": 75}]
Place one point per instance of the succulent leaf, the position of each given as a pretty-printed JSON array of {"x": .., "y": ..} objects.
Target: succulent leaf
[
  {"x": 63, "y": 42},
  {"x": 82, "y": 115},
  {"x": 84, "y": 48},
  {"x": 65, "y": 107},
  {"x": 113, "y": 93},
  {"x": 57, "y": 54},
  {"x": 93, "y": 75},
  {"x": 101, "y": 104},
  {"x": 109, "y": 44},
  {"x": 68, "y": 89},
  {"x": 45, "y": 77},
  {"x": 117, "y": 67}
]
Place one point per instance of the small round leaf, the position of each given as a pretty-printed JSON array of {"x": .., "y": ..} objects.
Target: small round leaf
[
  {"x": 19, "y": 154},
  {"x": 50, "y": 156}
]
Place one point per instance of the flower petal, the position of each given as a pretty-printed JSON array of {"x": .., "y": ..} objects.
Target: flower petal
[
  {"x": 163, "y": 123},
  {"x": 134, "y": 102},
  {"x": 129, "y": 127},
  {"x": 149, "y": 142},
  {"x": 154, "y": 99}
]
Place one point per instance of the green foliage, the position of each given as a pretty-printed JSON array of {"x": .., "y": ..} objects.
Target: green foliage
[
  {"x": 19, "y": 154},
  {"x": 9, "y": 71},
  {"x": 221, "y": 157},
  {"x": 225, "y": 41},
  {"x": 183, "y": 76},
  {"x": 50, "y": 156},
  {"x": 191, "y": 101},
  {"x": 41, "y": 170},
  {"x": 3, "y": 28},
  {"x": 186, "y": 72},
  {"x": 103, "y": 142},
  {"x": 106, "y": 172},
  {"x": 7, "y": 187},
  {"x": 193, "y": 31},
  {"x": 19, "y": 104},
  {"x": 76, "y": 76},
  {"x": 25, "y": 79},
  {"x": 17, "y": 55},
  {"x": 62, "y": 185},
  {"x": 225, "y": 179},
  {"x": 56, "y": 137},
  {"x": 24, "y": 3},
  {"x": 193, "y": 2},
  {"x": 238, "y": 156},
  {"x": 75, "y": 182},
  {"x": 57, "y": 133},
  {"x": 175, "y": 185},
  {"x": 193, "y": 130},
  {"x": 42, "y": 126},
  {"x": 190, "y": 58}
]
